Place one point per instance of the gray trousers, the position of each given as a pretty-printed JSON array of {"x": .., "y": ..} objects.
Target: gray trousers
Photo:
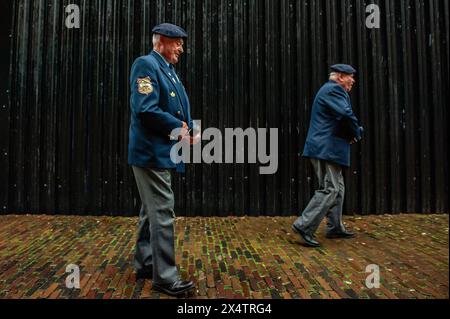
[
  {"x": 327, "y": 201},
  {"x": 155, "y": 245}
]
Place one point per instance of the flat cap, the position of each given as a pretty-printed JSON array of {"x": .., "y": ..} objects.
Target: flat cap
[
  {"x": 170, "y": 30},
  {"x": 343, "y": 68}
]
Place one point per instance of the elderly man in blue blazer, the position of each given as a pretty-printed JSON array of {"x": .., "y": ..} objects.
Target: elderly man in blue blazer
[
  {"x": 159, "y": 107},
  {"x": 333, "y": 129}
]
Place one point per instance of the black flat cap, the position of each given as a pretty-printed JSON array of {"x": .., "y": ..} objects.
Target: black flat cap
[
  {"x": 170, "y": 30},
  {"x": 343, "y": 68}
]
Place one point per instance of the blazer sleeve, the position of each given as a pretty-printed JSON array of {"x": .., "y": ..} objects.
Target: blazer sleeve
[
  {"x": 338, "y": 102},
  {"x": 146, "y": 104}
]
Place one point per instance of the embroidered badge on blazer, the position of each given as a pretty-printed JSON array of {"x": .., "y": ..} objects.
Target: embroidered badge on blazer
[{"x": 145, "y": 85}]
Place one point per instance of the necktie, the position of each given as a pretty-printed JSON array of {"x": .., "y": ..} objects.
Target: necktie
[{"x": 172, "y": 70}]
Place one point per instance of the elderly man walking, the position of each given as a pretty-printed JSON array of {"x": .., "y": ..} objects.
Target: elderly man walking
[
  {"x": 159, "y": 107},
  {"x": 333, "y": 128}
]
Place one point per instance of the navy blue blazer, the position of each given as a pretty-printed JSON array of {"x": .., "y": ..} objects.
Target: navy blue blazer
[
  {"x": 159, "y": 104},
  {"x": 331, "y": 107}
]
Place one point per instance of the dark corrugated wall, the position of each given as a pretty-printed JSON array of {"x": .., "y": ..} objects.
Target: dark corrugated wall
[{"x": 249, "y": 63}]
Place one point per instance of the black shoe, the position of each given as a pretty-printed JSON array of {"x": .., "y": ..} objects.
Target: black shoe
[
  {"x": 144, "y": 274},
  {"x": 174, "y": 289},
  {"x": 309, "y": 240},
  {"x": 343, "y": 234}
]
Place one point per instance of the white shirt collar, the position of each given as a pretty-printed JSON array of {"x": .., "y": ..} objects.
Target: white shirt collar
[{"x": 168, "y": 64}]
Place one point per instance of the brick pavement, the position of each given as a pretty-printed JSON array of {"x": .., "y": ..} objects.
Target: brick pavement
[{"x": 227, "y": 258}]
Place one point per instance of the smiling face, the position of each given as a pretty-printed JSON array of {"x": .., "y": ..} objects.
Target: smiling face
[
  {"x": 346, "y": 80},
  {"x": 171, "y": 49}
]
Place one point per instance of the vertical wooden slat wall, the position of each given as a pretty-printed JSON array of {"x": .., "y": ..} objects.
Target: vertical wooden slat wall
[
  {"x": 64, "y": 111},
  {"x": 6, "y": 43}
]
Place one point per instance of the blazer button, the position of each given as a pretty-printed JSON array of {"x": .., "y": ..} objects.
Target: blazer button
[{"x": 179, "y": 113}]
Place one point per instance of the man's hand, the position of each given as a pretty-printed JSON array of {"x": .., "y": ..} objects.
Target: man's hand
[
  {"x": 192, "y": 140},
  {"x": 354, "y": 141},
  {"x": 185, "y": 136},
  {"x": 184, "y": 132}
]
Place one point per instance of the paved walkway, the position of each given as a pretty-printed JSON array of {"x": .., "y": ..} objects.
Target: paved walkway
[{"x": 227, "y": 258}]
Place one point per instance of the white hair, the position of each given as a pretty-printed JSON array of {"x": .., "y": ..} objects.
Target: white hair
[
  {"x": 156, "y": 39},
  {"x": 334, "y": 76}
]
